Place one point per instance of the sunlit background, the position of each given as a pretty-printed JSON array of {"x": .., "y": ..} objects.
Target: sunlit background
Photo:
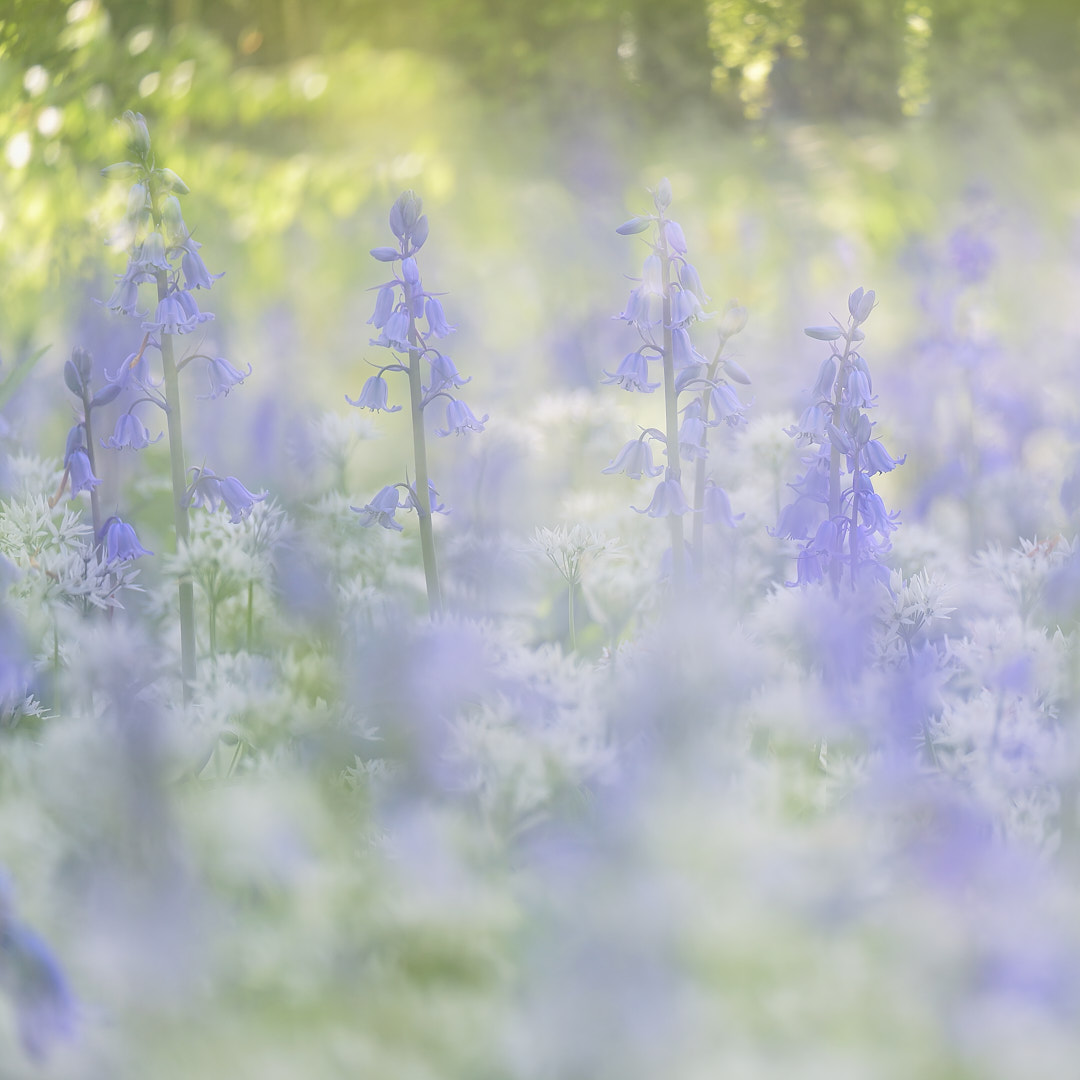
[{"x": 725, "y": 871}]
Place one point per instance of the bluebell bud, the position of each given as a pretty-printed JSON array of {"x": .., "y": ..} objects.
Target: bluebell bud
[
  {"x": 634, "y": 225},
  {"x": 138, "y": 134}
]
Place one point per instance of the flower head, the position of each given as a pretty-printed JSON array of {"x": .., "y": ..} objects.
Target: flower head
[
  {"x": 120, "y": 541},
  {"x": 632, "y": 374},
  {"x": 460, "y": 418},
  {"x": 668, "y": 499},
  {"x": 374, "y": 396},
  {"x": 380, "y": 511},
  {"x": 131, "y": 432},
  {"x": 635, "y": 460},
  {"x": 223, "y": 377}
]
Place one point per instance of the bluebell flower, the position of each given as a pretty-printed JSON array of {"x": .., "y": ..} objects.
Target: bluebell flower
[
  {"x": 76, "y": 440},
  {"x": 196, "y": 276},
  {"x": 632, "y": 374},
  {"x": 380, "y": 511},
  {"x": 384, "y": 305},
  {"x": 724, "y": 404},
  {"x": 223, "y": 377},
  {"x": 169, "y": 318},
  {"x": 717, "y": 506},
  {"x": 191, "y": 309},
  {"x": 82, "y": 476},
  {"x": 879, "y": 460},
  {"x": 237, "y": 499},
  {"x": 204, "y": 491},
  {"x": 634, "y": 460},
  {"x": 460, "y": 418},
  {"x": 209, "y": 490},
  {"x": 120, "y": 541},
  {"x": 395, "y": 334},
  {"x": 131, "y": 432},
  {"x": 436, "y": 319},
  {"x": 643, "y": 309},
  {"x": 134, "y": 371},
  {"x": 693, "y": 433},
  {"x": 125, "y": 296},
  {"x": 685, "y": 307},
  {"x": 412, "y": 503},
  {"x": 374, "y": 396},
  {"x": 45, "y": 1011},
  {"x": 444, "y": 375},
  {"x": 149, "y": 256},
  {"x": 675, "y": 238},
  {"x": 668, "y": 499},
  {"x": 683, "y": 353}
]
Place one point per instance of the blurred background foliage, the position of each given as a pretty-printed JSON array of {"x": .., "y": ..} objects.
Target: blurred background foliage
[{"x": 795, "y": 132}]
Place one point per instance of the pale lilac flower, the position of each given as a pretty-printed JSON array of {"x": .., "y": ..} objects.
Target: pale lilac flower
[
  {"x": 125, "y": 296},
  {"x": 196, "y": 276},
  {"x": 223, "y": 377},
  {"x": 693, "y": 432},
  {"x": 131, "y": 432},
  {"x": 82, "y": 476},
  {"x": 717, "y": 507},
  {"x": 204, "y": 489},
  {"x": 380, "y": 511},
  {"x": 120, "y": 541},
  {"x": 668, "y": 499},
  {"x": 134, "y": 371},
  {"x": 460, "y": 418},
  {"x": 191, "y": 309},
  {"x": 384, "y": 306},
  {"x": 632, "y": 374},
  {"x": 374, "y": 396},
  {"x": 411, "y": 501},
  {"x": 436, "y": 319},
  {"x": 635, "y": 460},
  {"x": 238, "y": 500},
  {"x": 170, "y": 318},
  {"x": 444, "y": 375},
  {"x": 395, "y": 334},
  {"x": 683, "y": 353}
]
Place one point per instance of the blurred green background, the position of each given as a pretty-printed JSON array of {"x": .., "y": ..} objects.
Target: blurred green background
[{"x": 809, "y": 143}]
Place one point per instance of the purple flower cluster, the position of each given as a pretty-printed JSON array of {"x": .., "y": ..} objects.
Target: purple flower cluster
[
  {"x": 115, "y": 537},
  {"x": 662, "y": 308},
  {"x": 837, "y": 515},
  {"x": 409, "y": 321}
]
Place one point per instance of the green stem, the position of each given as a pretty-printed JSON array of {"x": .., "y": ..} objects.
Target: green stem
[
  {"x": 834, "y": 453},
  {"x": 570, "y": 613},
  {"x": 671, "y": 429},
  {"x": 179, "y": 489},
  {"x": 95, "y": 505},
  {"x": 698, "y": 542},
  {"x": 213, "y": 627},
  {"x": 423, "y": 496}
]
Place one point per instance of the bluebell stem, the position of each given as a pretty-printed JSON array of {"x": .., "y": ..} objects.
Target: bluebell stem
[
  {"x": 837, "y": 515},
  {"x": 408, "y": 318},
  {"x": 718, "y": 394},
  {"x": 669, "y": 297},
  {"x": 162, "y": 252}
]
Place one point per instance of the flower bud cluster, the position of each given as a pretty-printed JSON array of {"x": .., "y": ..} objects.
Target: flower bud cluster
[
  {"x": 163, "y": 253},
  {"x": 662, "y": 309},
  {"x": 838, "y": 517},
  {"x": 409, "y": 321},
  {"x": 115, "y": 537}
]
